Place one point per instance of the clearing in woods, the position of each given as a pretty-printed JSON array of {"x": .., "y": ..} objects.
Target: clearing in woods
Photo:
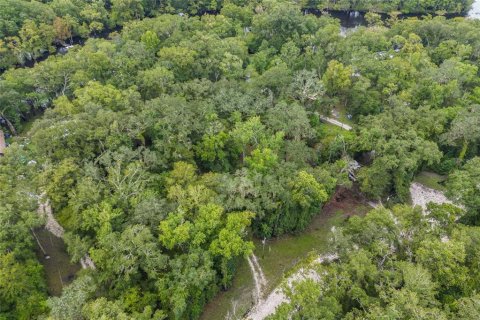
[{"x": 278, "y": 256}]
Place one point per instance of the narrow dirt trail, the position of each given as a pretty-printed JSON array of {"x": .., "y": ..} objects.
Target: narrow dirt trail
[
  {"x": 336, "y": 123},
  {"x": 263, "y": 280},
  {"x": 266, "y": 307},
  {"x": 258, "y": 277}
]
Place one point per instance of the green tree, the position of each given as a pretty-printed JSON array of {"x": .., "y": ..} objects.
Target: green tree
[
  {"x": 74, "y": 297},
  {"x": 290, "y": 119},
  {"x": 400, "y": 148},
  {"x": 445, "y": 261},
  {"x": 247, "y": 134},
  {"x": 151, "y": 41},
  {"x": 22, "y": 288},
  {"x": 337, "y": 78},
  {"x": 307, "y": 87},
  {"x": 462, "y": 186},
  {"x": 179, "y": 60},
  {"x": 33, "y": 41},
  {"x": 230, "y": 242},
  {"x": 464, "y": 130},
  {"x": 307, "y": 302},
  {"x": 125, "y": 10}
]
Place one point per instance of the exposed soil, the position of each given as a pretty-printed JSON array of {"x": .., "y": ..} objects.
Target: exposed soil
[
  {"x": 347, "y": 201},
  {"x": 267, "y": 307},
  {"x": 422, "y": 196},
  {"x": 258, "y": 277}
]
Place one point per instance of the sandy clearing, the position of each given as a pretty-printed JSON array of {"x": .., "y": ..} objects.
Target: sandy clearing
[
  {"x": 268, "y": 306},
  {"x": 3, "y": 145},
  {"x": 422, "y": 195}
]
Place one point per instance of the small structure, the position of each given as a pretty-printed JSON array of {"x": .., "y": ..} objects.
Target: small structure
[{"x": 3, "y": 145}]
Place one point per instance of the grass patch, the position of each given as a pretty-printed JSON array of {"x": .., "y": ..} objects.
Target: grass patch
[
  {"x": 280, "y": 255},
  {"x": 59, "y": 271},
  {"x": 431, "y": 180},
  {"x": 328, "y": 132},
  {"x": 240, "y": 294},
  {"x": 276, "y": 257}
]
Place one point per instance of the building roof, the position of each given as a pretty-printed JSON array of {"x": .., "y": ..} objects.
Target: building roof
[{"x": 2, "y": 143}]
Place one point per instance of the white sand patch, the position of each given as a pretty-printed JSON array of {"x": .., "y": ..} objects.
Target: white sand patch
[
  {"x": 422, "y": 195},
  {"x": 52, "y": 225},
  {"x": 268, "y": 306},
  {"x": 257, "y": 293}
]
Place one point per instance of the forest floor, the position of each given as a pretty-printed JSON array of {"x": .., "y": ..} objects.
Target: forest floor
[
  {"x": 341, "y": 114},
  {"x": 277, "y": 257}
]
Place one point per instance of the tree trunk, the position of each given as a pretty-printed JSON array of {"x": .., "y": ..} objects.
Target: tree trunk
[
  {"x": 463, "y": 152},
  {"x": 9, "y": 125}
]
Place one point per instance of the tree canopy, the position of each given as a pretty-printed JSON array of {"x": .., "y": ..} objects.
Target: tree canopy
[{"x": 166, "y": 148}]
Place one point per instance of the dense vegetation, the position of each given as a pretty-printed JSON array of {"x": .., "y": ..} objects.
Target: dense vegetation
[
  {"x": 395, "y": 264},
  {"x": 164, "y": 148},
  {"x": 31, "y": 29},
  {"x": 405, "y": 6}
]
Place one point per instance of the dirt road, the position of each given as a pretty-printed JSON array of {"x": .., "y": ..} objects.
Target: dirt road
[{"x": 336, "y": 123}]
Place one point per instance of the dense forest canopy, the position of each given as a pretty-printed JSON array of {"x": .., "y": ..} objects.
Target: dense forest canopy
[
  {"x": 405, "y": 6},
  {"x": 31, "y": 29},
  {"x": 164, "y": 148}
]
